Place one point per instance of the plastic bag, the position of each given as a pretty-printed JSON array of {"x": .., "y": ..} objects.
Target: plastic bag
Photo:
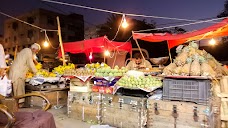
[
  {"x": 195, "y": 68},
  {"x": 181, "y": 59},
  {"x": 206, "y": 70},
  {"x": 168, "y": 70},
  {"x": 185, "y": 71},
  {"x": 5, "y": 86}
]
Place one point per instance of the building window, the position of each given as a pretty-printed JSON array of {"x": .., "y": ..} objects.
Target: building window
[
  {"x": 50, "y": 34},
  {"x": 71, "y": 27},
  {"x": 62, "y": 24},
  {"x": 15, "y": 26},
  {"x": 15, "y": 39},
  {"x": 63, "y": 36},
  {"x": 50, "y": 21},
  {"x": 30, "y": 20},
  {"x": 30, "y": 34}
]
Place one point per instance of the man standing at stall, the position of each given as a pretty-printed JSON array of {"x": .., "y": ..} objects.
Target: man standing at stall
[
  {"x": 23, "y": 62},
  {"x": 138, "y": 63}
]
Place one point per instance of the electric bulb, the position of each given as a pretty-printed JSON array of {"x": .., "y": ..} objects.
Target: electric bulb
[
  {"x": 46, "y": 44},
  {"x": 106, "y": 53},
  {"x": 124, "y": 24},
  {"x": 212, "y": 42}
]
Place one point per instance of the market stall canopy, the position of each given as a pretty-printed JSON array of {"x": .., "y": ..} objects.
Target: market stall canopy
[
  {"x": 95, "y": 45},
  {"x": 217, "y": 30}
]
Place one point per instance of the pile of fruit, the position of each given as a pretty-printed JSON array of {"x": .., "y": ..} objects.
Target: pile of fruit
[
  {"x": 95, "y": 66},
  {"x": 191, "y": 61},
  {"x": 140, "y": 82},
  {"x": 108, "y": 71},
  {"x": 78, "y": 72},
  {"x": 61, "y": 68},
  {"x": 40, "y": 72}
]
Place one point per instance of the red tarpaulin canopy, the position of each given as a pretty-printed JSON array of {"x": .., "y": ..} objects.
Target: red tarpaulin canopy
[
  {"x": 216, "y": 30},
  {"x": 95, "y": 45}
]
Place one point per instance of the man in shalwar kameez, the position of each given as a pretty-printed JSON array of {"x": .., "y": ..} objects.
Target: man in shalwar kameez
[{"x": 23, "y": 62}]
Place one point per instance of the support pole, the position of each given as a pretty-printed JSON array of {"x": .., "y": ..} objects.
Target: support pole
[
  {"x": 15, "y": 52},
  {"x": 60, "y": 41},
  {"x": 170, "y": 57},
  {"x": 140, "y": 49},
  {"x": 114, "y": 61}
]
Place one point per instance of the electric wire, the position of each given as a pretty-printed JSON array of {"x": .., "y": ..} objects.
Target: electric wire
[{"x": 26, "y": 22}]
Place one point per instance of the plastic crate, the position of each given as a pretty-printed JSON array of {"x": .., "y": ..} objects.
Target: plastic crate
[{"x": 193, "y": 90}]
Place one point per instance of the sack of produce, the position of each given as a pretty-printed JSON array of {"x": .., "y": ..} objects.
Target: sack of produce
[
  {"x": 168, "y": 70},
  {"x": 192, "y": 51},
  {"x": 206, "y": 70},
  {"x": 201, "y": 52},
  {"x": 179, "y": 49},
  {"x": 195, "y": 68},
  {"x": 177, "y": 71},
  {"x": 194, "y": 45},
  {"x": 181, "y": 59},
  {"x": 185, "y": 71}
]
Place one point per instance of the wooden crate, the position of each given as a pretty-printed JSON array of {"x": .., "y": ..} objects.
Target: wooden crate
[
  {"x": 173, "y": 114},
  {"x": 224, "y": 84},
  {"x": 124, "y": 111},
  {"x": 84, "y": 106},
  {"x": 224, "y": 106},
  {"x": 57, "y": 98}
]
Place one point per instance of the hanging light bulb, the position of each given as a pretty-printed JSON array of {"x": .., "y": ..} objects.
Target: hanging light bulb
[
  {"x": 90, "y": 56},
  {"x": 106, "y": 53},
  {"x": 212, "y": 42},
  {"x": 46, "y": 44},
  {"x": 124, "y": 22}
]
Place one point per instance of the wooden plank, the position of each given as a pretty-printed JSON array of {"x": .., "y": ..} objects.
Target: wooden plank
[{"x": 56, "y": 98}]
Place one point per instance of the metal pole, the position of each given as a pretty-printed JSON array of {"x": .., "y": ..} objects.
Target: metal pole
[
  {"x": 60, "y": 41},
  {"x": 169, "y": 53}
]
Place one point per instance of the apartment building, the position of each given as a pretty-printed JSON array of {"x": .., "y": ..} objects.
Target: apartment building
[{"x": 18, "y": 35}]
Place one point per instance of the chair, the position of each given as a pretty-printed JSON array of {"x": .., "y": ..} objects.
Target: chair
[{"x": 11, "y": 117}]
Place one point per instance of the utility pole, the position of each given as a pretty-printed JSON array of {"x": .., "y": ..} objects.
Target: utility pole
[{"x": 60, "y": 41}]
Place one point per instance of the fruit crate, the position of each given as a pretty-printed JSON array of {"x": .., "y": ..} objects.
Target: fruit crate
[{"x": 193, "y": 90}]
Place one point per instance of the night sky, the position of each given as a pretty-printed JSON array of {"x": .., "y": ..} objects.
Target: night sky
[{"x": 187, "y": 9}]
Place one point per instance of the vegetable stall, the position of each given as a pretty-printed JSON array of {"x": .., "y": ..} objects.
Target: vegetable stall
[{"x": 189, "y": 92}]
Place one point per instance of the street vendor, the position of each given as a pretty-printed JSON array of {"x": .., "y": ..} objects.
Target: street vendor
[
  {"x": 23, "y": 62},
  {"x": 138, "y": 63}
]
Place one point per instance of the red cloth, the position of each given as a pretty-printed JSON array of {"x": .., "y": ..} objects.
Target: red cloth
[
  {"x": 216, "y": 30},
  {"x": 95, "y": 45}
]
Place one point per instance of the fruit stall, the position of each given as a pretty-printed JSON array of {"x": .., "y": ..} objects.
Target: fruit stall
[
  {"x": 189, "y": 92},
  {"x": 182, "y": 94}
]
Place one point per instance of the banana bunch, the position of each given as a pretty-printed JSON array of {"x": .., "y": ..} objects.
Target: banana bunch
[
  {"x": 42, "y": 72},
  {"x": 38, "y": 66},
  {"x": 61, "y": 68},
  {"x": 29, "y": 75}
]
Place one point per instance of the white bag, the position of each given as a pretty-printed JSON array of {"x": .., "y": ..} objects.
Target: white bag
[{"x": 5, "y": 86}]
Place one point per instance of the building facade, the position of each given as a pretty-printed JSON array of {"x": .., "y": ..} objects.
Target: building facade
[{"x": 18, "y": 35}]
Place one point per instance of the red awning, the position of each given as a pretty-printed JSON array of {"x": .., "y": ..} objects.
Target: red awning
[
  {"x": 95, "y": 45},
  {"x": 217, "y": 30}
]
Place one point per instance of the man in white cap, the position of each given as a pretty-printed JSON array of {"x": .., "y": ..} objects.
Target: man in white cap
[{"x": 23, "y": 62}]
